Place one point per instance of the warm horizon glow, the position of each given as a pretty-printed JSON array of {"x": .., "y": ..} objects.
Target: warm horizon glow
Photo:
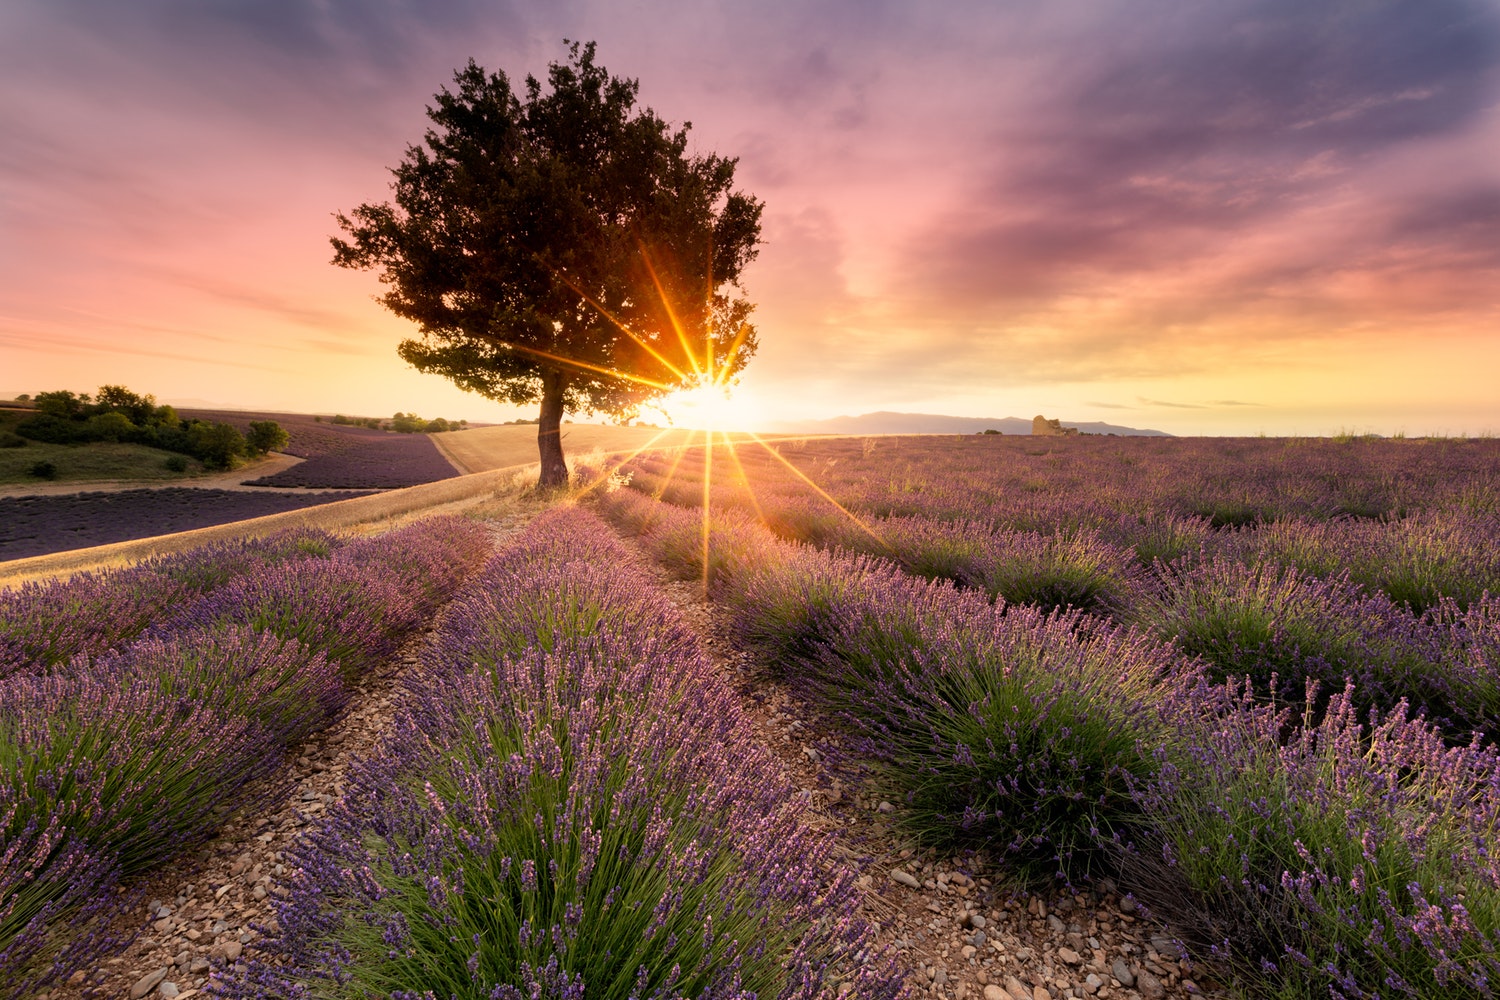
[
  {"x": 711, "y": 407},
  {"x": 1247, "y": 217}
]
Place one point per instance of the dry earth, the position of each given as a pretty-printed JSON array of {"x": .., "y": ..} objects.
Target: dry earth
[{"x": 955, "y": 930}]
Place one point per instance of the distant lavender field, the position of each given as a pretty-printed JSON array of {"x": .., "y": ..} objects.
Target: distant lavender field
[
  {"x": 34, "y": 526},
  {"x": 340, "y": 457}
]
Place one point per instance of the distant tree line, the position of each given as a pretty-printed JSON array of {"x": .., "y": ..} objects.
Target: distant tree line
[
  {"x": 115, "y": 414},
  {"x": 401, "y": 423}
]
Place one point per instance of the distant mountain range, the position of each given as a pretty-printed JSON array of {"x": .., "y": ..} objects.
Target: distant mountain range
[{"x": 887, "y": 422}]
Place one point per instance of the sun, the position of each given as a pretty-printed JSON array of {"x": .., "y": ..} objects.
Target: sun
[{"x": 710, "y": 407}]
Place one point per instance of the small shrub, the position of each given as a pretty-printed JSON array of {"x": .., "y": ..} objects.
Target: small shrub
[
  {"x": 176, "y": 463},
  {"x": 42, "y": 470},
  {"x": 10, "y": 439}
]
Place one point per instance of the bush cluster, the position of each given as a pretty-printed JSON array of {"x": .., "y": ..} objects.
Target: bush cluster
[{"x": 115, "y": 414}]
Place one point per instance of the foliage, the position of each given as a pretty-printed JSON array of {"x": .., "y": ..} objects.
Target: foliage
[
  {"x": 570, "y": 802},
  {"x": 114, "y": 761},
  {"x": 115, "y": 414},
  {"x": 531, "y": 230},
  {"x": 1352, "y": 860},
  {"x": 265, "y": 436}
]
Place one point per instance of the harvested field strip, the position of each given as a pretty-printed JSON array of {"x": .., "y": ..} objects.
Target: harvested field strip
[
  {"x": 41, "y": 525},
  {"x": 344, "y": 515}
]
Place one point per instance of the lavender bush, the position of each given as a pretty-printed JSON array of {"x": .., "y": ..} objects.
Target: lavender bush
[
  {"x": 118, "y": 760},
  {"x": 1353, "y": 861},
  {"x": 43, "y": 625},
  {"x": 1416, "y": 561},
  {"x": 1282, "y": 628},
  {"x": 579, "y": 821},
  {"x": 357, "y": 607}
]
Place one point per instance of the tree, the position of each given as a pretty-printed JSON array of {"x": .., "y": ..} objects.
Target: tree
[
  {"x": 561, "y": 248},
  {"x": 266, "y": 436}
]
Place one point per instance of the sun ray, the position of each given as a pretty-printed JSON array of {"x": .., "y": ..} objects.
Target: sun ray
[
  {"x": 600, "y": 308},
  {"x": 611, "y": 372},
  {"x": 820, "y": 491},
  {"x": 672, "y": 472},
  {"x": 708, "y": 480},
  {"x": 734, "y": 351},
  {"x": 666, "y": 304},
  {"x": 626, "y": 460},
  {"x": 708, "y": 326},
  {"x": 734, "y": 456}
]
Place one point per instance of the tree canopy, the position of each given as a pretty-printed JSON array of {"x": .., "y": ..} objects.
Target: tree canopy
[{"x": 561, "y": 246}]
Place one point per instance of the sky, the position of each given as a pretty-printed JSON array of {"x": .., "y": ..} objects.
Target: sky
[{"x": 1237, "y": 217}]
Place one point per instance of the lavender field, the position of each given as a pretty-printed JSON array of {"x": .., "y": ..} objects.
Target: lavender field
[
  {"x": 1245, "y": 690},
  {"x": 345, "y": 457},
  {"x": 1255, "y": 682}
]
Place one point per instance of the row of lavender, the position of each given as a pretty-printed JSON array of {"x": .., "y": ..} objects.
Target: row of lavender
[
  {"x": 569, "y": 805},
  {"x": 139, "y": 708},
  {"x": 1034, "y": 483},
  {"x": 1408, "y": 608},
  {"x": 1352, "y": 856}
]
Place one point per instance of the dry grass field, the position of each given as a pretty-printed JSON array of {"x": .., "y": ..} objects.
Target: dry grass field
[{"x": 481, "y": 449}]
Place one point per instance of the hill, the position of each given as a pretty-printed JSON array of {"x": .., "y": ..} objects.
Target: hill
[{"x": 887, "y": 422}]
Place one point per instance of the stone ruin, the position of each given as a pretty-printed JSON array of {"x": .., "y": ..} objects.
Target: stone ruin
[{"x": 1042, "y": 427}]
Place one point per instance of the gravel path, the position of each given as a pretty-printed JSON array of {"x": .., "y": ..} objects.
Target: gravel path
[
  {"x": 207, "y": 909},
  {"x": 956, "y": 928}
]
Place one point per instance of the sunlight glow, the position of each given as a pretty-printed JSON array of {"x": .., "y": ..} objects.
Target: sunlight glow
[{"x": 710, "y": 407}]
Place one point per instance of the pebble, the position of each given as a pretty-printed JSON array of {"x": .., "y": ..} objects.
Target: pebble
[
  {"x": 905, "y": 878},
  {"x": 1149, "y": 986},
  {"x": 168, "y": 990},
  {"x": 993, "y": 992},
  {"x": 1069, "y": 955},
  {"x": 1122, "y": 972},
  {"x": 147, "y": 983}
]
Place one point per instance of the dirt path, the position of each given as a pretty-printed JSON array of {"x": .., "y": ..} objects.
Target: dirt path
[
  {"x": 205, "y": 909},
  {"x": 231, "y": 480},
  {"x": 956, "y": 929}
]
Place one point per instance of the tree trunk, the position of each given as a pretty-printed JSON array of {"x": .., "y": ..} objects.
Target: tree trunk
[{"x": 549, "y": 431}]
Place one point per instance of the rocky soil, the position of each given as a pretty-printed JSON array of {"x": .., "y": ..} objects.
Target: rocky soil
[
  {"x": 956, "y": 928},
  {"x": 952, "y": 924}
]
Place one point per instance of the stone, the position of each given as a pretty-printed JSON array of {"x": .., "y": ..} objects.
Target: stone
[
  {"x": 1091, "y": 984},
  {"x": 147, "y": 983},
  {"x": 232, "y": 950},
  {"x": 905, "y": 878},
  {"x": 168, "y": 990},
  {"x": 183, "y": 957},
  {"x": 1149, "y": 986},
  {"x": 1069, "y": 955},
  {"x": 993, "y": 992},
  {"x": 978, "y": 939},
  {"x": 1016, "y": 989},
  {"x": 199, "y": 965},
  {"x": 1040, "y": 993},
  {"x": 885, "y": 807},
  {"x": 1122, "y": 972},
  {"x": 1042, "y": 427},
  {"x": 976, "y": 921},
  {"x": 259, "y": 892}
]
